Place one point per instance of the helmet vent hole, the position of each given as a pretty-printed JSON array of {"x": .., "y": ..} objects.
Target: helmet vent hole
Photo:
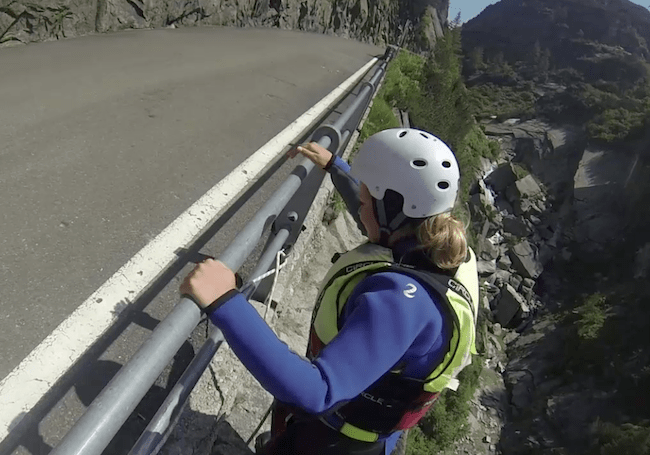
[
  {"x": 413, "y": 207},
  {"x": 446, "y": 164},
  {"x": 443, "y": 185},
  {"x": 403, "y": 133},
  {"x": 419, "y": 163},
  {"x": 424, "y": 135}
]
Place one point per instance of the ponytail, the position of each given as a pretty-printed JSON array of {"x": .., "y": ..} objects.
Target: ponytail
[{"x": 444, "y": 239}]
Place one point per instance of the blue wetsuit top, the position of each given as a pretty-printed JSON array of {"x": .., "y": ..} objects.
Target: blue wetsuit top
[{"x": 381, "y": 328}]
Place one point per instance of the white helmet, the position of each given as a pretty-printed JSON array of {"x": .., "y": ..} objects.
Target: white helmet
[{"x": 415, "y": 164}]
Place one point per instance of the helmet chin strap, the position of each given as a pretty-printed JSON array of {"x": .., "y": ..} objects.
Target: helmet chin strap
[{"x": 386, "y": 226}]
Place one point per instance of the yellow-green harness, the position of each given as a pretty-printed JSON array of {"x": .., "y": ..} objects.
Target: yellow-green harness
[{"x": 460, "y": 294}]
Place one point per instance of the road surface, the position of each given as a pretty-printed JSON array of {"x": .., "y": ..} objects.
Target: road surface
[{"x": 106, "y": 139}]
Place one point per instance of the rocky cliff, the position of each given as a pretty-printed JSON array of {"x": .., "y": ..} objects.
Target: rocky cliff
[
  {"x": 563, "y": 275},
  {"x": 562, "y": 223},
  {"x": 377, "y": 21},
  {"x": 575, "y": 31}
]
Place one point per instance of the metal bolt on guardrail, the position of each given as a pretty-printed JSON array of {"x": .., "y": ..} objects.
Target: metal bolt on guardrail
[{"x": 108, "y": 412}]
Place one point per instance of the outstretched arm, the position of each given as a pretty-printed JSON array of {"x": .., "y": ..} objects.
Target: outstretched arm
[
  {"x": 346, "y": 185},
  {"x": 377, "y": 333}
]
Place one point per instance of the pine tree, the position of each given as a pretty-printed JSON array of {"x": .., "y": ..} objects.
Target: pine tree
[
  {"x": 537, "y": 54},
  {"x": 545, "y": 61},
  {"x": 476, "y": 59},
  {"x": 445, "y": 108}
]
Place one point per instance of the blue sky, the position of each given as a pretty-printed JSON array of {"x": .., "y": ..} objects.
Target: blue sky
[{"x": 471, "y": 8}]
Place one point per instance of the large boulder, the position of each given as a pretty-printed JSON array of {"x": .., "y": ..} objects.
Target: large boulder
[
  {"x": 526, "y": 196},
  {"x": 527, "y": 284},
  {"x": 524, "y": 188},
  {"x": 516, "y": 226},
  {"x": 509, "y": 306},
  {"x": 504, "y": 263},
  {"x": 488, "y": 251},
  {"x": 486, "y": 268},
  {"x": 501, "y": 277},
  {"x": 525, "y": 261},
  {"x": 599, "y": 183},
  {"x": 515, "y": 281},
  {"x": 502, "y": 177},
  {"x": 481, "y": 206},
  {"x": 503, "y": 206}
]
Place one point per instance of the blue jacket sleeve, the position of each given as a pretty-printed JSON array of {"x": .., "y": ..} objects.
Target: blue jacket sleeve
[
  {"x": 382, "y": 328},
  {"x": 348, "y": 188}
]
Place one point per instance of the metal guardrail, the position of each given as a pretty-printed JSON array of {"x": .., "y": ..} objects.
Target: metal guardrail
[{"x": 108, "y": 412}]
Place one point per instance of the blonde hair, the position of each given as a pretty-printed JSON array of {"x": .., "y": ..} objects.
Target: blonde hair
[{"x": 444, "y": 239}]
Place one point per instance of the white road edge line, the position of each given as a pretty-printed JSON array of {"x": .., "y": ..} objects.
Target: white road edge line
[{"x": 22, "y": 389}]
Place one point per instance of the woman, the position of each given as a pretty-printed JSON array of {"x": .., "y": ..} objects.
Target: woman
[{"x": 395, "y": 319}]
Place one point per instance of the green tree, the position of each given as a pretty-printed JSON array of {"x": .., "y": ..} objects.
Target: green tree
[
  {"x": 497, "y": 64},
  {"x": 476, "y": 59},
  {"x": 545, "y": 61},
  {"x": 537, "y": 53},
  {"x": 456, "y": 22},
  {"x": 445, "y": 108},
  {"x": 626, "y": 438}
]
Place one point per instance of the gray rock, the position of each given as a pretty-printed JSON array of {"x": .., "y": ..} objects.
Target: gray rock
[
  {"x": 546, "y": 253},
  {"x": 524, "y": 260},
  {"x": 502, "y": 277},
  {"x": 503, "y": 206},
  {"x": 545, "y": 232},
  {"x": 486, "y": 267},
  {"x": 529, "y": 339},
  {"x": 504, "y": 263},
  {"x": 515, "y": 281},
  {"x": 498, "y": 130},
  {"x": 534, "y": 208},
  {"x": 501, "y": 178},
  {"x": 486, "y": 166},
  {"x": 510, "y": 305},
  {"x": 477, "y": 206},
  {"x": 523, "y": 195},
  {"x": 491, "y": 290},
  {"x": 510, "y": 337},
  {"x": 493, "y": 346},
  {"x": 496, "y": 329},
  {"x": 601, "y": 177},
  {"x": 482, "y": 187},
  {"x": 488, "y": 250},
  {"x": 516, "y": 227},
  {"x": 489, "y": 228},
  {"x": 521, "y": 386},
  {"x": 359, "y": 19},
  {"x": 527, "y": 283}
]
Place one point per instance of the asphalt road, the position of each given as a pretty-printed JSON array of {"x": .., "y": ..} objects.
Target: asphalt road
[{"x": 105, "y": 139}]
